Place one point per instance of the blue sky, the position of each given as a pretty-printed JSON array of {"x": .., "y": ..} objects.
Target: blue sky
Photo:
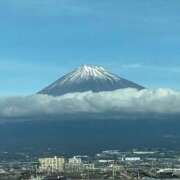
[{"x": 40, "y": 40}]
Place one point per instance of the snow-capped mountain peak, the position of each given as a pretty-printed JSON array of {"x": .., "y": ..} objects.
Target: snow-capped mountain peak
[
  {"x": 88, "y": 78},
  {"x": 87, "y": 72}
]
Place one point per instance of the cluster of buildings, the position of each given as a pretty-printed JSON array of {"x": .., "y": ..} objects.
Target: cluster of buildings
[
  {"x": 114, "y": 164},
  {"x": 76, "y": 164},
  {"x": 61, "y": 165},
  {"x": 111, "y": 164}
]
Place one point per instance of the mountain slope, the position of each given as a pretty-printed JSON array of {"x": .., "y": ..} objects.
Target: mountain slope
[{"x": 88, "y": 78}]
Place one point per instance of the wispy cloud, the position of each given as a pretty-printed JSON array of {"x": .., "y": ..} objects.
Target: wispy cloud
[
  {"x": 151, "y": 67},
  {"x": 129, "y": 66}
]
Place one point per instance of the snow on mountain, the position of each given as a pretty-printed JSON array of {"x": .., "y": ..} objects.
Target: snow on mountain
[
  {"x": 87, "y": 72},
  {"x": 88, "y": 78}
]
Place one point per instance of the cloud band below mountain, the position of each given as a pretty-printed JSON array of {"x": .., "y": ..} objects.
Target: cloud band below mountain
[{"x": 124, "y": 101}]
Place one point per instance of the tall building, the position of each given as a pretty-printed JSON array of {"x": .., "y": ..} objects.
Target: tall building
[{"x": 55, "y": 164}]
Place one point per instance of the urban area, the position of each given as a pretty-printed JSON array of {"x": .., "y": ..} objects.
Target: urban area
[{"x": 110, "y": 164}]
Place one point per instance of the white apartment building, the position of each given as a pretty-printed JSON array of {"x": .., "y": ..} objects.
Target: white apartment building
[
  {"x": 75, "y": 160},
  {"x": 55, "y": 164}
]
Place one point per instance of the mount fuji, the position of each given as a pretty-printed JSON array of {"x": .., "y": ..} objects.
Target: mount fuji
[
  {"x": 88, "y": 78},
  {"x": 88, "y": 133}
]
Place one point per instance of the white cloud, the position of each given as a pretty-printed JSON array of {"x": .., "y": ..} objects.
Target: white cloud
[
  {"x": 125, "y": 101},
  {"x": 173, "y": 69},
  {"x": 134, "y": 66}
]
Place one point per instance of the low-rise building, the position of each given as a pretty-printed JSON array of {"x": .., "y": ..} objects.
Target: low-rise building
[
  {"x": 75, "y": 160},
  {"x": 74, "y": 164},
  {"x": 132, "y": 159}
]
